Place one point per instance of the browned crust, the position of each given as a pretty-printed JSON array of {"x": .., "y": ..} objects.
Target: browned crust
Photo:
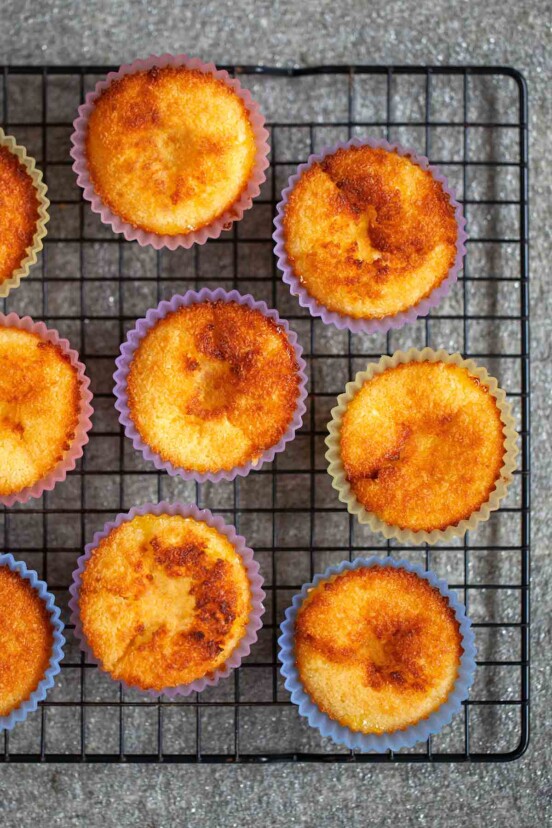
[
  {"x": 158, "y": 656},
  {"x": 26, "y": 640},
  {"x": 404, "y": 230},
  {"x": 18, "y": 213},
  {"x": 408, "y": 652},
  {"x": 135, "y": 117},
  {"x": 379, "y": 480},
  {"x": 21, "y": 388},
  {"x": 231, "y": 341}
]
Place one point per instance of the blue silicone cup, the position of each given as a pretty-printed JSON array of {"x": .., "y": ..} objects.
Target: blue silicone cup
[
  {"x": 366, "y": 742},
  {"x": 29, "y": 705}
]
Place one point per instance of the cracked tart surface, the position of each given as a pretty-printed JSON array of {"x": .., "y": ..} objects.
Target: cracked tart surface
[{"x": 164, "y": 600}]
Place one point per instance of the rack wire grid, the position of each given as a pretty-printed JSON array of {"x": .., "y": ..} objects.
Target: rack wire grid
[{"x": 91, "y": 285}]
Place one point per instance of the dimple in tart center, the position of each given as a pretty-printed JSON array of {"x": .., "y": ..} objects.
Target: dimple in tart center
[
  {"x": 220, "y": 375},
  {"x": 214, "y": 391}
]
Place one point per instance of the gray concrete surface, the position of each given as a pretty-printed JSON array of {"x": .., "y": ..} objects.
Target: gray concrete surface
[{"x": 286, "y": 33}]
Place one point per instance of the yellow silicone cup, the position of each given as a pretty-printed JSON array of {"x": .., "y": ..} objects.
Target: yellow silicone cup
[
  {"x": 337, "y": 471},
  {"x": 30, "y": 259}
]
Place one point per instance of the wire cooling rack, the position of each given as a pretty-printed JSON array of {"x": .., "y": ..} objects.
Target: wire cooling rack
[{"x": 472, "y": 122}]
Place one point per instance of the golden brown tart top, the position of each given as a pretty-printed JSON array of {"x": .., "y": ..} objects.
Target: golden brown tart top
[
  {"x": 213, "y": 385},
  {"x": 377, "y": 648},
  {"x": 18, "y": 213},
  {"x": 170, "y": 150},
  {"x": 39, "y": 408},
  {"x": 26, "y": 640},
  {"x": 422, "y": 445},
  {"x": 164, "y": 600},
  {"x": 369, "y": 233}
]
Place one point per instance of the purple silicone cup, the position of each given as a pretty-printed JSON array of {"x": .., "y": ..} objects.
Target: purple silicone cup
[
  {"x": 76, "y": 449},
  {"x": 216, "y": 227},
  {"x": 30, "y": 705},
  {"x": 372, "y": 742},
  {"x": 255, "y": 580},
  {"x": 123, "y": 366},
  {"x": 370, "y": 326}
]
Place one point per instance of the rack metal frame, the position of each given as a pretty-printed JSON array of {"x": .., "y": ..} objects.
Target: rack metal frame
[{"x": 46, "y": 551}]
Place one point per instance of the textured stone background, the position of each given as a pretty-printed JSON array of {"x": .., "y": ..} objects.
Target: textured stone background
[{"x": 287, "y": 33}]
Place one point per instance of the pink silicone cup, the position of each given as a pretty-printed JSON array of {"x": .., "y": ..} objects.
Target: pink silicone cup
[
  {"x": 255, "y": 580},
  {"x": 84, "y": 425},
  {"x": 211, "y": 231},
  {"x": 123, "y": 366},
  {"x": 342, "y": 321}
]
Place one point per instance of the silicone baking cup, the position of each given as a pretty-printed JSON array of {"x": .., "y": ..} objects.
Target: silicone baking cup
[
  {"x": 255, "y": 580},
  {"x": 143, "y": 237},
  {"x": 75, "y": 450},
  {"x": 398, "y": 739},
  {"x": 43, "y": 203},
  {"x": 31, "y": 704},
  {"x": 351, "y": 323},
  {"x": 123, "y": 366},
  {"x": 337, "y": 472}
]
